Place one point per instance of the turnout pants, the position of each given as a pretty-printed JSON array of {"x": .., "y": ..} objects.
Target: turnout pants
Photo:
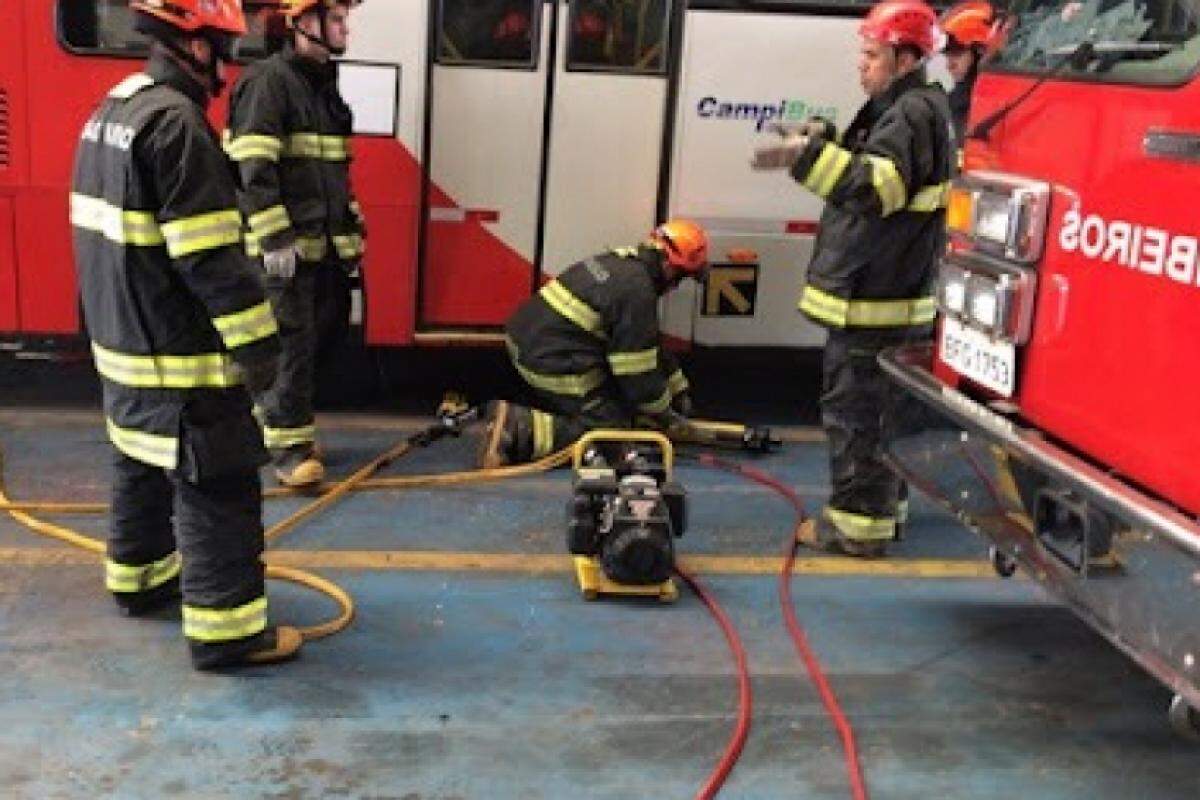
[
  {"x": 312, "y": 310},
  {"x": 867, "y": 500},
  {"x": 558, "y": 419},
  {"x": 198, "y": 528}
]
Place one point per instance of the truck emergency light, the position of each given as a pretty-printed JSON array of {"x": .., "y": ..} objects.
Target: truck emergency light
[{"x": 1001, "y": 215}]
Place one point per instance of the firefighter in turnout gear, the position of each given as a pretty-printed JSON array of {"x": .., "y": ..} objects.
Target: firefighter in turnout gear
[
  {"x": 587, "y": 345},
  {"x": 974, "y": 32},
  {"x": 869, "y": 281},
  {"x": 289, "y": 135},
  {"x": 180, "y": 328}
]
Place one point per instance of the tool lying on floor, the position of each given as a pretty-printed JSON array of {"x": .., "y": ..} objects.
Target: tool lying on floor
[
  {"x": 754, "y": 439},
  {"x": 624, "y": 515}
]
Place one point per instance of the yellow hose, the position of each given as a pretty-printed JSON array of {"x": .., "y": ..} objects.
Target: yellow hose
[{"x": 330, "y": 494}]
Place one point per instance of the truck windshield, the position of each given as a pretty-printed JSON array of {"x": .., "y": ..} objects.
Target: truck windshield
[{"x": 1133, "y": 41}]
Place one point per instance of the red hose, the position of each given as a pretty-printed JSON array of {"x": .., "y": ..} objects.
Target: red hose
[
  {"x": 733, "y": 750},
  {"x": 858, "y": 787}
]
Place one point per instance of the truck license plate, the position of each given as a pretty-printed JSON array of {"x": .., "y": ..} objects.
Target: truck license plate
[{"x": 978, "y": 357}]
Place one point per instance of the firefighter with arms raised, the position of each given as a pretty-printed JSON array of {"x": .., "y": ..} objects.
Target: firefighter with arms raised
[{"x": 869, "y": 282}]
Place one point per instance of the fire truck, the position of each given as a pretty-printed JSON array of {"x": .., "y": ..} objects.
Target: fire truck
[
  {"x": 1058, "y": 398},
  {"x": 497, "y": 142}
]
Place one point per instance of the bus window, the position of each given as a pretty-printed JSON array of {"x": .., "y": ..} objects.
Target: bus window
[
  {"x": 105, "y": 27},
  {"x": 489, "y": 33},
  {"x": 628, "y": 36},
  {"x": 99, "y": 26}
]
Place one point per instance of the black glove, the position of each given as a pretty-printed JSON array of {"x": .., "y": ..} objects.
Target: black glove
[
  {"x": 258, "y": 376},
  {"x": 681, "y": 403}
]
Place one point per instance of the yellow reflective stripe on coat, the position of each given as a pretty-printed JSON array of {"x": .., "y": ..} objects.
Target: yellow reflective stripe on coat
[
  {"x": 658, "y": 406},
  {"x": 348, "y": 246},
  {"x": 885, "y": 177},
  {"x": 138, "y": 228},
  {"x": 269, "y": 221},
  {"x": 253, "y": 145},
  {"x": 677, "y": 382},
  {"x": 283, "y": 438},
  {"x": 560, "y": 298},
  {"x": 246, "y": 327},
  {"x": 125, "y": 579},
  {"x": 827, "y": 170},
  {"x": 637, "y": 363},
  {"x": 842, "y": 313},
  {"x": 572, "y": 385},
  {"x": 862, "y": 528},
  {"x": 202, "y": 232},
  {"x": 202, "y": 370},
  {"x": 930, "y": 198},
  {"x": 543, "y": 434},
  {"x": 319, "y": 146},
  {"x": 149, "y": 448},
  {"x": 225, "y": 624}
]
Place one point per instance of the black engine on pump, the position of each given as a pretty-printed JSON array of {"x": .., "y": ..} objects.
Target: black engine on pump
[{"x": 626, "y": 511}]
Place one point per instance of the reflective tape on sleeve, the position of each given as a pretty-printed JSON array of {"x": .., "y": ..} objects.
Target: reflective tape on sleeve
[
  {"x": 634, "y": 363},
  {"x": 246, "y": 327},
  {"x": 202, "y": 232}
]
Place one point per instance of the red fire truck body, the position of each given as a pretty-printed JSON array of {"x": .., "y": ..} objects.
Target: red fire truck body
[{"x": 1065, "y": 376}]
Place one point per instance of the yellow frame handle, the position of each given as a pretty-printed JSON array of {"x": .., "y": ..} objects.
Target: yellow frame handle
[{"x": 653, "y": 437}]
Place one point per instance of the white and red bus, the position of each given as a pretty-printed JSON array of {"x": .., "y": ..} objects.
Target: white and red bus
[{"x": 497, "y": 141}]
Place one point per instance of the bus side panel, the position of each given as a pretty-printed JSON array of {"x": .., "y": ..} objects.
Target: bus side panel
[
  {"x": 71, "y": 86},
  {"x": 48, "y": 298},
  {"x": 387, "y": 180},
  {"x": 14, "y": 153},
  {"x": 605, "y": 148},
  {"x": 386, "y": 172},
  {"x": 9, "y": 320},
  {"x": 742, "y": 72}
]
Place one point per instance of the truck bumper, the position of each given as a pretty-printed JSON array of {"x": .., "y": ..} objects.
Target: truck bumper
[{"x": 1125, "y": 562}]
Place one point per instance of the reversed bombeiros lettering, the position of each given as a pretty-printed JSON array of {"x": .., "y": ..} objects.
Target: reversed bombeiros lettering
[{"x": 1150, "y": 250}]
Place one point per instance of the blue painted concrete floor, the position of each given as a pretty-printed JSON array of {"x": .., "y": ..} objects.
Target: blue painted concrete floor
[{"x": 505, "y": 684}]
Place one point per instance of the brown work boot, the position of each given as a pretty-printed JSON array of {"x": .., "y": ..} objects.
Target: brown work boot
[
  {"x": 272, "y": 646},
  {"x": 822, "y": 535},
  {"x": 298, "y": 467}
]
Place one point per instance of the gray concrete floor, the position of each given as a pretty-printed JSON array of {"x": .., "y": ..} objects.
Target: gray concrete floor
[{"x": 499, "y": 681}]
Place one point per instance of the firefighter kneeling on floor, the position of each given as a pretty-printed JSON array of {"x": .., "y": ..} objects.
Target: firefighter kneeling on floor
[
  {"x": 587, "y": 345},
  {"x": 180, "y": 329},
  {"x": 884, "y": 182}
]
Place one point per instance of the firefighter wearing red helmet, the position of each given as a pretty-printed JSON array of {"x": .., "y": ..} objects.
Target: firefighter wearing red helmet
[
  {"x": 587, "y": 347},
  {"x": 180, "y": 329},
  {"x": 869, "y": 281},
  {"x": 289, "y": 135},
  {"x": 974, "y": 31}
]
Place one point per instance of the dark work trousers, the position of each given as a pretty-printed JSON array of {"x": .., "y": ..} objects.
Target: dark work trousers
[
  {"x": 286, "y": 410},
  {"x": 857, "y": 408},
  {"x": 558, "y": 420},
  {"x": 209, "y": 513}
]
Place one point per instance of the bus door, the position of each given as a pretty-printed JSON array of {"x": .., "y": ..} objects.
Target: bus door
[{"x": 545, "y": 128}]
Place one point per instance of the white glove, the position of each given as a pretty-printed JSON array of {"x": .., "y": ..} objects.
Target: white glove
[
  {"x": 779, "y": 156},
  {"x": 280, "y": 263},
  {"x": 812, "y": 128}
]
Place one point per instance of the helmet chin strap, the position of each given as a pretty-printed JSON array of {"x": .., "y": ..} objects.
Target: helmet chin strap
[
  {"x": 210, "y": 70},
  {"x": 323, "y": 39}
]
